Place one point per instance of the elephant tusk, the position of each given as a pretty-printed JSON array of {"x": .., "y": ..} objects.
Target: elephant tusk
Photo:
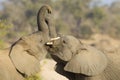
[
  {"x": 49, "y": 43},
  {"x": 52, "y": 39}
]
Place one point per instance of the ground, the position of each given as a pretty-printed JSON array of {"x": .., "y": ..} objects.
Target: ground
[{"x": 47, "y": 70}]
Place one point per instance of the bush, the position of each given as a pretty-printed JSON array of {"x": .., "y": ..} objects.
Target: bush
[
  {"x": 4, "y": 29},
  {"x": 34, "y": 77}
]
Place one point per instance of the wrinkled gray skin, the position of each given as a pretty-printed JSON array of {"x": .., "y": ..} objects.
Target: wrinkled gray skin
[
  {"x": 22, "y": 58},
  {"x": 78, "y": 61}
]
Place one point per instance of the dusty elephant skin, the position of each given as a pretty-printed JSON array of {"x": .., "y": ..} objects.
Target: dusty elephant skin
[
  {"x": 22, "y": 58},
  {"x": 78, "y": 61}
]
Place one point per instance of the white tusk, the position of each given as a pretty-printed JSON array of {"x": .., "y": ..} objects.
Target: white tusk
[
  {"x": 52, "y": 39},
  {"x": 49, "y": 43}
]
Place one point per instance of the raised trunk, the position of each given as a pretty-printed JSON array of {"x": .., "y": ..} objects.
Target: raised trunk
[
  {"x": 52, "y": 29},
  {"x": 42, "y": 24}
]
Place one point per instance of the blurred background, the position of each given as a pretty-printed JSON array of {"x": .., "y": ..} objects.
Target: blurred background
[
  {"x": 94, "y": 22},
  {"x": 84, "y": 19}
]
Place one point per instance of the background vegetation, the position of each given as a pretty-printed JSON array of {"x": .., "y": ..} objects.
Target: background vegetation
[{"x": 80, "y": 18}]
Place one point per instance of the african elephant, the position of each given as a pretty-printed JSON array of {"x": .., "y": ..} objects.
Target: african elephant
[
  {"x": 78, "y": 61},
  {"x": 22, "y": 58}
]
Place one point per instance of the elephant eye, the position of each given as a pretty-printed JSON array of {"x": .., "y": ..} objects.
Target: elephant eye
[{"x": 41, "y": 41}]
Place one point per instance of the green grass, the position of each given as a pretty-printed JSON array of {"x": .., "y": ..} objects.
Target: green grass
[{"x": 34, "y": 77}]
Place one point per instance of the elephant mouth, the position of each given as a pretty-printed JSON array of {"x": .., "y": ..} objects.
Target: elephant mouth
[{"x": 52, "y": 46}]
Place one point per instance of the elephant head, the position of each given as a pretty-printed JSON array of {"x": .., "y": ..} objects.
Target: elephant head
[
  {"x": 27, "y": 52},
  {"x": 79, "y": 58}
]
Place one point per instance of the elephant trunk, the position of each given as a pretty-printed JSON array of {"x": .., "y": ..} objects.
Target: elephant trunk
[
  {"x": 52, "y": 29},
  {"x": 42, "y": 24}
]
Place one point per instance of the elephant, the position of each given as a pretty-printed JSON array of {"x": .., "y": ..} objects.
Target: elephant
[
  {"x": 78, "y": 61},
  {"x": 22, "y": 59}
]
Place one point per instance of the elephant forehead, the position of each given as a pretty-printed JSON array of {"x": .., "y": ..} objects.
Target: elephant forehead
[
  {"x": 32, "y": 45},
  {"x": 72, "y": 40},
  {"x": 35, "y": 45},
  {"x": 72, "y": 43},
  {"x": 33, "y": 39}
]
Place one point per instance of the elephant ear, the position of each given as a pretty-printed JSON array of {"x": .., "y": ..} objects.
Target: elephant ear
[
  {"x": 24, "y": 62},
  {"x": 88, "y": 61}
]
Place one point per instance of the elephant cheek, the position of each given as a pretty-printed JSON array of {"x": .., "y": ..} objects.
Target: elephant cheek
[
  {"x": 42, "y": 52},
  {"x": 65, "y": 56}
]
